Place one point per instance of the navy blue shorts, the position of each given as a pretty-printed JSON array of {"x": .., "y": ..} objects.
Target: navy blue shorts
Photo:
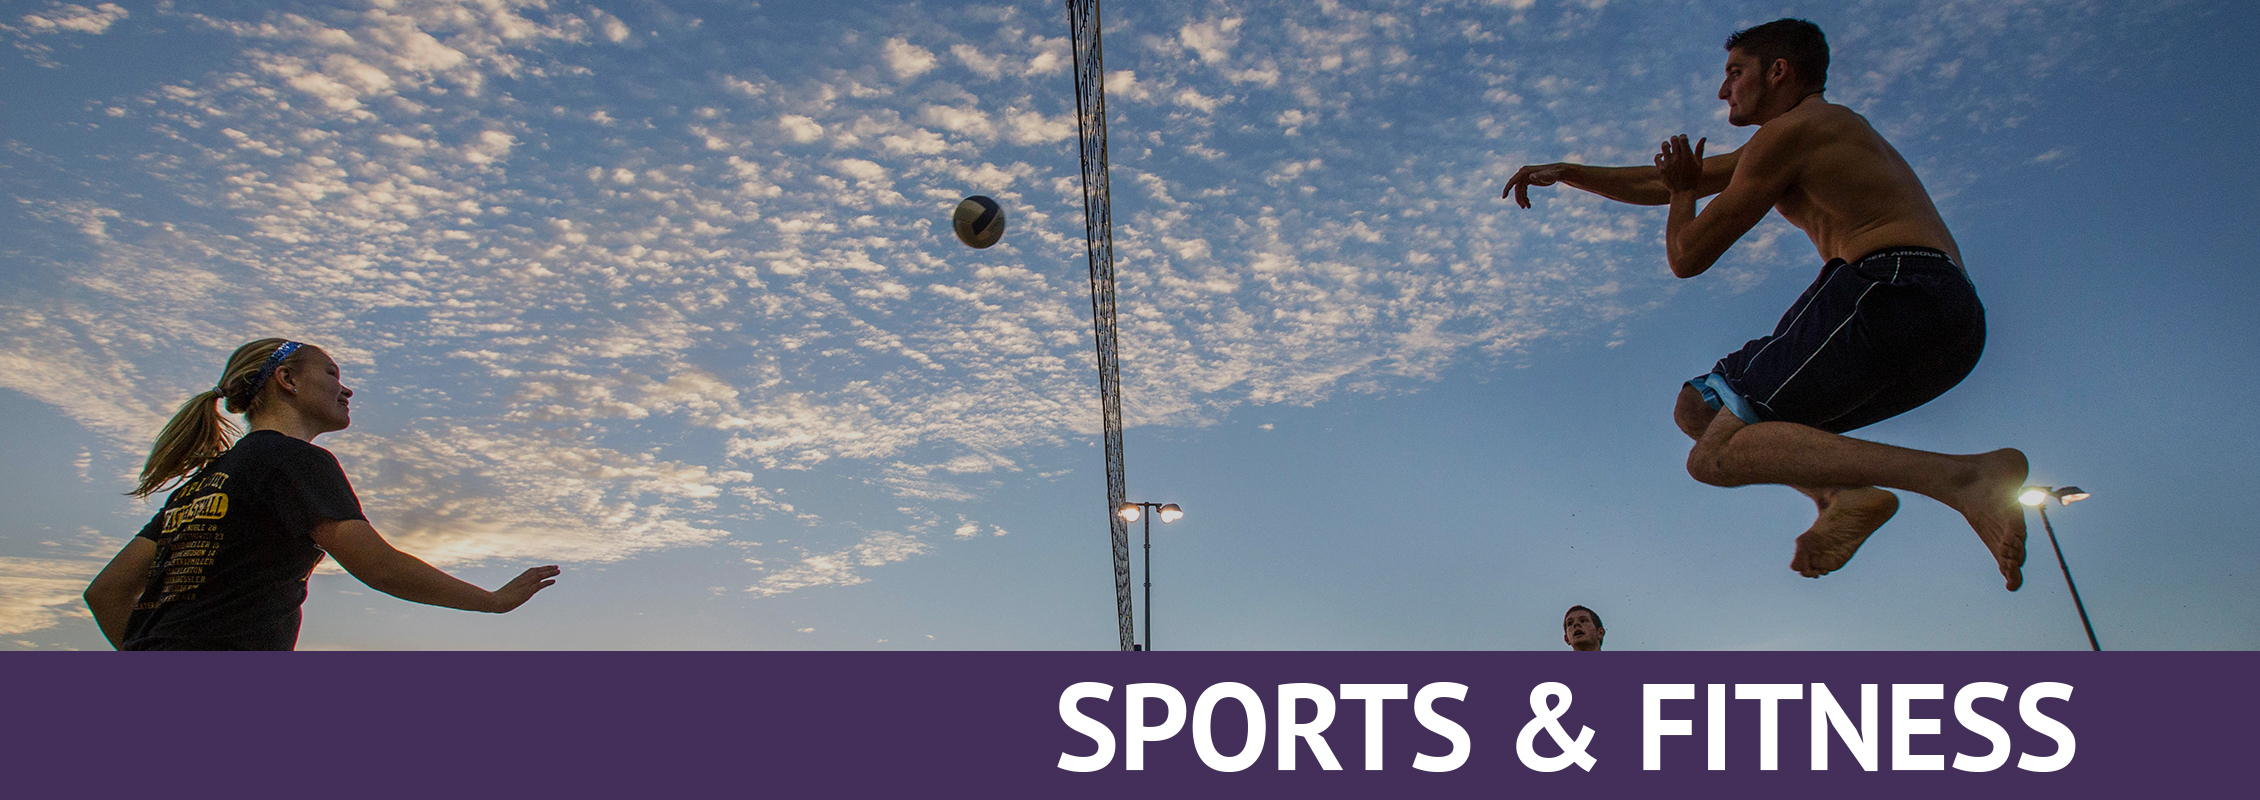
[{"x": 1868, "y": 341}]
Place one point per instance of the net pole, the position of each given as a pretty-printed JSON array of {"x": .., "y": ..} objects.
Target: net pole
[{"x": 1098, "y": 237}]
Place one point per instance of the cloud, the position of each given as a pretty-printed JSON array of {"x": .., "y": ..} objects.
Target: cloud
[
  {"x": 1124, "y": 84},
  {"x": 861, "y": 170},
  {"x": 1051, "y": 57},
  {"x": 72, "y": 18},
  {"x": 983, "y": 64},
  {"x": 844, "y": 567},
  {"x": 1211, "y": 40},
  {"x": 1192, "y": 98},
  {"x": 907, "y": 60},
  {"x": 464, "y": 495},
  {"x": 967, "y": 121},
  {"x": 1032, "y": 127},
  {"x": 40, "y": 593},
  {"x": 800, "y": 129},
  {"x": 37, "y": 34},
  {"x": 614, "y": 30}
]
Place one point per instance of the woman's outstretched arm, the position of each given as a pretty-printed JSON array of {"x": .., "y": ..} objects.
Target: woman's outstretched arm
[{"x": 366, "y": 555}]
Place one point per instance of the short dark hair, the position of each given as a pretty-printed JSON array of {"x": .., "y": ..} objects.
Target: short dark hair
[
  {"x": 1596, "y": 616},
  {"x": 1794, "y": 40}
]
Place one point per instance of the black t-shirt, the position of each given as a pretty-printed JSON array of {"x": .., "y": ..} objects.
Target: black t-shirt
[{"x": 234, "y": 546}]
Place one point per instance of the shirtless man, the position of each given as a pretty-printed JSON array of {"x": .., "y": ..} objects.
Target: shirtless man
[{"x": 1891, "y": 322}]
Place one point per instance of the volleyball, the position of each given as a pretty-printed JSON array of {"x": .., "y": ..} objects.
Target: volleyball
[{"x": 979, "y": 221}]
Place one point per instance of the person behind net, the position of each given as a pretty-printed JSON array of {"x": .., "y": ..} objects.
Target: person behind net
[
  {"x": 1891, "y": 321},
  {"x": 224, "y": 565},
  {"x": 1581, "y": 629}
]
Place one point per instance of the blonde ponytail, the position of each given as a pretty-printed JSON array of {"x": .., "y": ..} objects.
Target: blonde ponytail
[{"x": 197, "y": 432}]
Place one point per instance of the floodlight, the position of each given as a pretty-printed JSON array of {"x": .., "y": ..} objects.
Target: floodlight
[
  {"x": 1168, "y": 512},
  {"x": 2037, "y": 497}
]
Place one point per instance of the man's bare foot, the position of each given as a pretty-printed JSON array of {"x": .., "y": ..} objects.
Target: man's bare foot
[
  {"x": 1989, "y": 503},
  {"x": 1847, "y": 517}
]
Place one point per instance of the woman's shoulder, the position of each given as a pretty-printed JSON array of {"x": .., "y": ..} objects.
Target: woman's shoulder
[{"x": 275, "y": 447}]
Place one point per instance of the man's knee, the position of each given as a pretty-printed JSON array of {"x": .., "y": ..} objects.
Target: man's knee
[
  {"x": 1692, "y": 414},
  {"x": 1707, "y": 461},
  {"x": 1703, "y": 465}
]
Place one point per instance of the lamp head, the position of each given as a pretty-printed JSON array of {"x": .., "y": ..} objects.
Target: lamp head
[
  {"x": 1171, "y": 513},
  {"x": 2033, "y": 496},
  {"x": 1128, "y": 512},
  {"x": 2070, "y": 494}
]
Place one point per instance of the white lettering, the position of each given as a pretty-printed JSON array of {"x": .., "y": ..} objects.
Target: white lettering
[
  {"x": 1769, "y": 697},
  {"x": 1716, "y": 730},
  {"x": 2028, "y": 706},
  {"x": 1424, "y": 710},
  {"x": 1653, "y": 727},
  {"x": 1087, "y": 726},
  {"x": 1204, "y": 740},
  {"x": 1827, "y": 714},
  {"x": 1905, "y": 726},
  {"x": 1965, "y": 712},
  {"x": 1136, "y": 732},
  {"x": 1310, "y": 732},
  {"x": 1374, "y": 695}
]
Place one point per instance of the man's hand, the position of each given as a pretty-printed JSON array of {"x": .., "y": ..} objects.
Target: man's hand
[
  {"x": 1534, "y": 175},
  {"x": 1680, "y": 167},
  {"x": 522, "y": 588}
]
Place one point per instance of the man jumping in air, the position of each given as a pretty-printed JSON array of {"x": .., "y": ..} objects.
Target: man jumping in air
[{"x": 1890, "y": 323}]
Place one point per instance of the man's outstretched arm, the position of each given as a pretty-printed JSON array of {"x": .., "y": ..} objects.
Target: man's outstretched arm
[{"x": 1640, "y": 186}]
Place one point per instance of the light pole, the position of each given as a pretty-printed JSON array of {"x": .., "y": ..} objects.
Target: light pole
[
  {"x": 2037, "y": 497},
  {"x": 1168, "y": 512}
]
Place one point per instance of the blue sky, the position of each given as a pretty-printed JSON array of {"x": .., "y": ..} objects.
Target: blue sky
[{"x": 664, "y": 292}]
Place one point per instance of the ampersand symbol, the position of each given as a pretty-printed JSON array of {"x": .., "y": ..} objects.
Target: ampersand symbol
[{"x": 1542, "y": 703}]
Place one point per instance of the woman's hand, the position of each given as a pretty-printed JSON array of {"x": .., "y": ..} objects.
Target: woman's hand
[{"x": 522, "y": 588}]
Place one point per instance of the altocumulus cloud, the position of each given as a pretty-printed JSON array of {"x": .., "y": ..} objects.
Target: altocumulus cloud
[
  {"x": 611, "y": 275},
  {"x": 37, "y": 593}
]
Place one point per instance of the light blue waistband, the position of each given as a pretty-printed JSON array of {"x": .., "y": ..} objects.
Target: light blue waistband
[{"x": 1717, "y": 394}]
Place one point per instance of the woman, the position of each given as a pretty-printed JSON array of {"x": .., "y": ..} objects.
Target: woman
[{"x": 224, "y": 565}]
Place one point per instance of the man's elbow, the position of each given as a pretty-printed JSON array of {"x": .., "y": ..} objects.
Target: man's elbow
[{"x": 1688, "y": 262}]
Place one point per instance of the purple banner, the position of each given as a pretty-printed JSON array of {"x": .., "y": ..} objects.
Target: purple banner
[{"x": 675, "y": 724}]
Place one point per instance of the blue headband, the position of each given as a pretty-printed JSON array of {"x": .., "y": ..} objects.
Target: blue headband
[{"x": 260, "y": 380}]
